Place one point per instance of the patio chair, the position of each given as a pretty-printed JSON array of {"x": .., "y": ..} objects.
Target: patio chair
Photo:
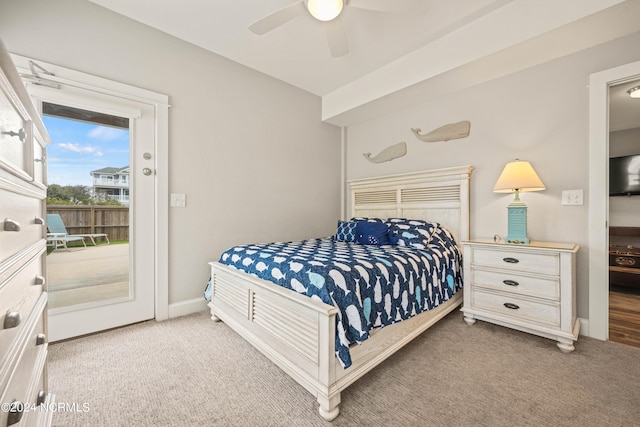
[
  {"x": 59, "y": 239},
  {"x": 57, "y": 229}
]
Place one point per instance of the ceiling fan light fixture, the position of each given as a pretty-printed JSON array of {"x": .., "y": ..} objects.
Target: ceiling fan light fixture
[
  {"x": 634, "y": 92},
  {"x": 324, "y": 10}
]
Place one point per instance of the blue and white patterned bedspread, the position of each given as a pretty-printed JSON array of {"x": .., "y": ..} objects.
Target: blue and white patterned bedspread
[{"x": 372, "y": 286}]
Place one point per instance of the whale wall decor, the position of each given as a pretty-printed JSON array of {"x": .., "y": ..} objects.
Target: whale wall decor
[
  {"x": 444, "y": 133},
  {"x": 389, "y": 153}
]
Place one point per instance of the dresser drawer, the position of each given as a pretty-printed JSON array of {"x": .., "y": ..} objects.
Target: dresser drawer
[
  {"x": 516, "y": 307},
  {"x": 22, "y": 210},
  {"x": 27, "y": 377},
  {"x": 517, "y": 260},
  {"x": 41, "y": 405},
  {"x": 15, "y": 128},
  {"x": 517, "y": 284},
  {"x": 19, "y": 295}
]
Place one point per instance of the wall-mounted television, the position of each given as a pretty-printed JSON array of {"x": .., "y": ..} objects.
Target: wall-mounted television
[{"x": 624, "y": 175}]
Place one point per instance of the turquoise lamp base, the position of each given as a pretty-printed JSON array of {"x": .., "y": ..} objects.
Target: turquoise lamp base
[{"x": 517, "y": 223}]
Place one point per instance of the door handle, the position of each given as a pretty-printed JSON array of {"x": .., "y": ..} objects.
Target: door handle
[{"x": 147, "y": 171}]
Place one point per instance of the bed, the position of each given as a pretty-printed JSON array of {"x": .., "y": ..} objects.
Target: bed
[{"x": 300, "y": 334}]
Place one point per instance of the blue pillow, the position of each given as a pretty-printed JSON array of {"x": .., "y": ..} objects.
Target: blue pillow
[
  {"x": 412, "y": 232},
  {"x": 374, "y": 233},
  {"x": 346, "y": 231}
]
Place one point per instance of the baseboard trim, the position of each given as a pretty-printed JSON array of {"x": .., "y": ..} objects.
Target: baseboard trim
[
  {"x": 183, "y": 308},
  {"x": 584, "y": 326}
]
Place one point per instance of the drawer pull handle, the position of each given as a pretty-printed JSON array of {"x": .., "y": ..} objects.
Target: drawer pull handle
[
  {"x": 40, "y": 280},
  {"x": 511, "y": 283},
  {"x": 42, "y": 396},
  {"x": 11, "y": 225},
  {"x": 41, "y": 339},
  {"x": 16, "y": 409},
  {"x": 511, "y": 260},
  {"x": 11, "y": 319},
  {"x": 39, "y": 221},
  {"x": 511, "y": 306}
]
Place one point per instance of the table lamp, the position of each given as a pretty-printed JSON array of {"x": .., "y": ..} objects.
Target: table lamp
[{"x": 517, "y": 176}]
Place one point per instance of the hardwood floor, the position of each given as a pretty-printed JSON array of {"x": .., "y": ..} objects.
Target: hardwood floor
[{"x": 624, "y": 316}]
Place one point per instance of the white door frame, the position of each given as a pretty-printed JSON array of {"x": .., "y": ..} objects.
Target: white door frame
[
  {"x": 160, "y": 103},
  {"x": 599, "y": 84}
]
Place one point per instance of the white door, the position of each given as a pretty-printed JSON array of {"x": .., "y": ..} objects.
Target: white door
[{"x": 135, "y": 300}]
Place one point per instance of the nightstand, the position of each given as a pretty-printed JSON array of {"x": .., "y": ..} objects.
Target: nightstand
[{"x": 530, "y": 288}]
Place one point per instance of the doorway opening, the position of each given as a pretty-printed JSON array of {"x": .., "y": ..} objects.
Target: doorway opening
[
  {"x": 102, "y": 236},
  {"x": 599, "y": 97},
  {"x": 147, "y": 113},
  {"x": 624, "y": 223},
  {"x": 87, "y": 205}
]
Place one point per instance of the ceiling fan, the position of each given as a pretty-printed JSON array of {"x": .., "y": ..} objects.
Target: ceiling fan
[{"x": 327, "y": 11}]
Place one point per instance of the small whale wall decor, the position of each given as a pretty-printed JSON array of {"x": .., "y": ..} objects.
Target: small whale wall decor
[
  {"x": 389, "y": 153},
  {"x": 445, "y": 133}
]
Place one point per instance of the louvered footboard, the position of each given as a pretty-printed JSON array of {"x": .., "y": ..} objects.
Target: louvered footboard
[
  {"x": 294, "y": 331},
  {"x": 298, "y": 333}
]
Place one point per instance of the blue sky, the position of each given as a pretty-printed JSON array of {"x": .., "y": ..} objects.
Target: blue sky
[{"x": 78, "y": 148}]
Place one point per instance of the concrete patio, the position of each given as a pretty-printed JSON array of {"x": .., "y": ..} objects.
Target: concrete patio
[{"x": 82, "y": 275}]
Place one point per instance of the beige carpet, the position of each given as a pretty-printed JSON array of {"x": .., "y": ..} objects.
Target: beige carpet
[{"x": 190, "y": 371}]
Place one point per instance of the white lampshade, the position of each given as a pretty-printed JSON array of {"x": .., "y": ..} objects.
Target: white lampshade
[
  {"x": 518, "y": 176},
  {"x": 324, "y": 10}
]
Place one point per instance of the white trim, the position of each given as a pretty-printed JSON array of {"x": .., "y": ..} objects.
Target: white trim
[
  {"x": 343, "y": 172},
  {"x": 599, "y": 84},
  {"x": 182, "y": 308},
  {"x": 584, "y": 326},
  {"x": 66, "y": 76},
  {"x": 160, "y": 103},
  {"x": 162, "y": 212}
]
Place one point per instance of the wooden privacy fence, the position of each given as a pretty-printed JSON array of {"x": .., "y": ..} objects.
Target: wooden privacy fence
[{"x": 113, "y": 220}]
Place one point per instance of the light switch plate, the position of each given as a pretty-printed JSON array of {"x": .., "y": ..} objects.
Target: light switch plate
[
  {"x": 572, "y": 197},
  {"x": 178, "y": 200}
]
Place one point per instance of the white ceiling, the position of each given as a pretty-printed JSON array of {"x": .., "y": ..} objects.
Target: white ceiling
[
  {"x": 297, "y": 52},
  {"x": 388, "y": 52}
]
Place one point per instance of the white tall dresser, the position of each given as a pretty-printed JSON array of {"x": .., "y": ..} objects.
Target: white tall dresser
[{"x": 24, "y": 396}]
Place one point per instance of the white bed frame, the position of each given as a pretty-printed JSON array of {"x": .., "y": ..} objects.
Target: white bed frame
[{"x": 298, "y": 333}]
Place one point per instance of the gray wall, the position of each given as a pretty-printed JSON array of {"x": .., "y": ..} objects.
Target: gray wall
[
  {"x": 540, "y": 114},
  {"x": 250, "y": 152}
]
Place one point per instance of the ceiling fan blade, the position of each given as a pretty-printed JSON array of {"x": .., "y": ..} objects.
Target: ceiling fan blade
[
  {"x": 336, "y": 37},
  {"x": 277, "y": 18},
  {"x": 390, "y": 6}
]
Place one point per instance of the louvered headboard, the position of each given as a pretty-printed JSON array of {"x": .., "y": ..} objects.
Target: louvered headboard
[{"x": 440, "y": 195}]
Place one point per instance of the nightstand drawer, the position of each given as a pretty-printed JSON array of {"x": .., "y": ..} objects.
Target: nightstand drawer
[
  {"x": 517, "y": 260},
  {"x": 515, "y": 307},
  {"x": 517, "y": 284}
]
